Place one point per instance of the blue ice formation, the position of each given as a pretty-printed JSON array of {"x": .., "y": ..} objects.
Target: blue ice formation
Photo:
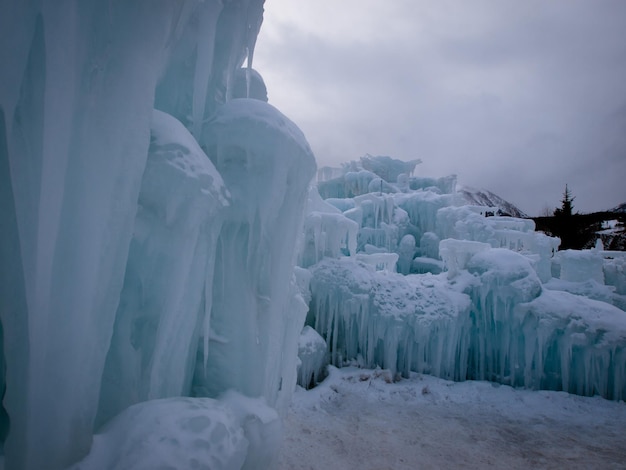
[
  {"x": 410, "y": 277},
  {"x": 153, "y": 213},
  {"x": 149, "y": 223}
]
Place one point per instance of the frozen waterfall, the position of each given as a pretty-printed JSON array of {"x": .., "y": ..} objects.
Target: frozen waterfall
[{"x": 146, "y": 253}]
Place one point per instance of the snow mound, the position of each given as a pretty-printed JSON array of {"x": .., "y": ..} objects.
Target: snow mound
[{"x": 188, "y": 433}]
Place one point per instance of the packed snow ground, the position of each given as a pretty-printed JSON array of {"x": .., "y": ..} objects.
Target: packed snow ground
[{"x": 361, "y": 419}]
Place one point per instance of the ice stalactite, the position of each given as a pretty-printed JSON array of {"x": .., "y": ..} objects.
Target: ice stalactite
[
  {"x": 206, "y": 47},
  {"x": 206, "y": 29},
  {"x": 254, "y": 20},
  {"x": 575, "y": 344},
  {"x": 327, "y": 232},
  {"x": 490, "y": 321},
  {"x": 524, "y": 335},
  {"x": 380, "y": 318},
  {"x": 506, "y": 280}
]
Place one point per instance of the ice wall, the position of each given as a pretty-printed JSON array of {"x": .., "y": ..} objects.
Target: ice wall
[
  {"x": 491, "y": 320},
  {"x": 495, "y": 312},
  {"x": 77, "y": 141},
  {"x": 380, "y": 318},
  {"x": 114, "y": 219}
]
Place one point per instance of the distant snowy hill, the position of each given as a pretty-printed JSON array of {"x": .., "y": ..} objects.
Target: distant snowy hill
[
  {"x": 620, "y": 208},
  {"x": 482, "y": 197}
]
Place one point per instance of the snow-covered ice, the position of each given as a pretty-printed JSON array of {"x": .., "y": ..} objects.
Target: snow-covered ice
[
  {"x": 235, "y": 432},
  {"x": 506, "y": 307}
]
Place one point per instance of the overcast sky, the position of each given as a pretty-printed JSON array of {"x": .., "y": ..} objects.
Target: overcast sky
[{"x": 518, "y": 97}]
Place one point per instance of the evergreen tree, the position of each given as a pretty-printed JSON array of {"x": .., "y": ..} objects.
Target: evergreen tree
[
  {"x": 566, "y": 209},
  {"x": 566, "y": 223}
]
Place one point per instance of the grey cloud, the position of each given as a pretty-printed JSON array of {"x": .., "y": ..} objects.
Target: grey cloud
[{"x": 530, "y": 100}]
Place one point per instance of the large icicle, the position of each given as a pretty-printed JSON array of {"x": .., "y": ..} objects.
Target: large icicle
[
  {"x": 77, "y": 141},
  {"x": 79, "y": 83},
  {"x": 153, "y": 349},
  {"x": 267, "y": 166}
]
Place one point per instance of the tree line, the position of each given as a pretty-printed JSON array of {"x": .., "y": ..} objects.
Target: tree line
[{"x": 580, "y": 231}]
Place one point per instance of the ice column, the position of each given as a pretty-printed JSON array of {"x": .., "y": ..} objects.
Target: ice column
[
  {"x": 267, "y": 165},
  {"x": 77, "y": 106},
  {"x": 167, "y": 287},
  {"x": 79, "y": 80}
]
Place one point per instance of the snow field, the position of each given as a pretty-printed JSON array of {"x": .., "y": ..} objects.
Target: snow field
[{"x": 360, "y": 418}]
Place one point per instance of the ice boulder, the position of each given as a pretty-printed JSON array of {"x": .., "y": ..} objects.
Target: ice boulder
[
  {"x": 581, "y": 265},
  {"x": 233, "y": 433},
  {"x": 455, "y": 254},
  {"x": 313, "y": 355},
  {"x": 571, "y": 343}
]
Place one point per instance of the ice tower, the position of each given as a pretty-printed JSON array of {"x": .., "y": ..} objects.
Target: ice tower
[{"x": 131, "y": 268}]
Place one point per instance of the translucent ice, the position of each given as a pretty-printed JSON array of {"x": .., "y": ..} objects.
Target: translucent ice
[
  {"x": 267, "y": 165},
  {"x": 115, "y": 221},
  {"x": 406, "y": 251},
  {"x": 497, "y": 322},
  {"x": 398, "y": 322},
  {"x": 77, "y": 98},
  {"x": 167, "y": 286},
  {"x": 327, "y": 232},
  {"x": 580, "y": 265}
]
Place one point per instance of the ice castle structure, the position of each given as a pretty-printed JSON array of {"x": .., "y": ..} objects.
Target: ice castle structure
[
  {"x": 149, "y": 222},
  {"x": 161, "y": 252},
  {"x": 443, "y": 287}
]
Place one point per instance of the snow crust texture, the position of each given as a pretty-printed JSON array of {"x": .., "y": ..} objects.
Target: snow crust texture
[
  {"x": 360, "y": 418},
  {"x": 468, "y": 294},
  {"x": 187, "y": 432}
]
